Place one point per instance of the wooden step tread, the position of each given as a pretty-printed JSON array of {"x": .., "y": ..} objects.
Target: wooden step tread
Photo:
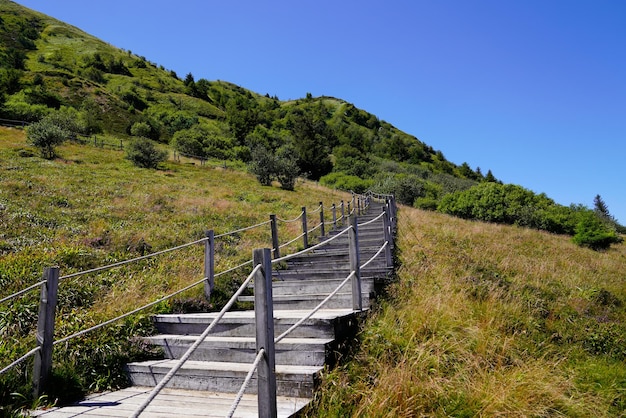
[{"x": 169, "y": 403}]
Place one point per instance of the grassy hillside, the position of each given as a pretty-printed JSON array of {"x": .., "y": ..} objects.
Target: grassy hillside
[
  {"x": 489, "y": 320},
  {"x": 90, "y": 208},
  {"x": 47, "y": 65}
]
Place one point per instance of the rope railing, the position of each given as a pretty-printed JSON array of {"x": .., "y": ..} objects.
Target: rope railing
[
  {"x": 372, "y": 220},
  {"x": 195, "y": 345},
  {"x": 21, "y": 292},
  {"x": 292, "y": 241},
  {"x": 246, "y": 383},
  {"x": 287, "y": 221},
  {"x": 314, "y": 310},
  {"x": 132, "y": 260},
  {"x": 242, "y": 229},
  {"x": 314, "y": 247},
  {"x": 19, "y": 360},
  {"x": 320, "y": 207},
  {"x": 380, "y": 250}
]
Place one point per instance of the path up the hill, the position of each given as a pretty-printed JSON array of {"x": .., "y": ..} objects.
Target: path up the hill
[{"x": 207, "y": 383}]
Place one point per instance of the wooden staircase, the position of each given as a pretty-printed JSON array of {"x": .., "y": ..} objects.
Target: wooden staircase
[{"x": 218, "y": 367}]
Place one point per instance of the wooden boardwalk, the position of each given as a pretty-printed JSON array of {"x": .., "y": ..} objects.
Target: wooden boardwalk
[{"x": 207, "y": 384}]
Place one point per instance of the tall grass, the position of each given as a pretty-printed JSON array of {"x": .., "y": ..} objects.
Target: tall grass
[{"x": 488, "y": 320}]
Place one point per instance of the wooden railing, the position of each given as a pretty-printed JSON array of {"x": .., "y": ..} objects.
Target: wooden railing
[{"x": 264, "y": 258}]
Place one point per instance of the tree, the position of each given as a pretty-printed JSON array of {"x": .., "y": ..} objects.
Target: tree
[
  {"x": 286, "y": 170},
  {"x": 52, "y": 130},
  {"x": 601, "y": 209},
  {"x": 140, "y": 129},
  {"x": 594, "y": 232},
  {"x": 143, "y": 153},
  {"x": 46, "y": 135},
  {"x": 262, "y": 165}
]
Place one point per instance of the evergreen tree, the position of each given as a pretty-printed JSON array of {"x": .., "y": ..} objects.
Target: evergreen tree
[{"x": 601, "y": 209}]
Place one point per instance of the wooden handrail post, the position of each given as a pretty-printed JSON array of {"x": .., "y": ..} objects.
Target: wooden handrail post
[
  {"x": 334, "y": 209},
  {"x": 275, "y": 246},
  {"x": 387, "y": 232},
  {"x": 305, "y": 229},
  {"x": 323, "y": 232},
  {"x": 209, "y": 263},
  {"x": 343, "y": 214},
  {"x": 355, "y": 263},
  {"x": 349, "y": 213},
  {"x": 358, "y": 206},
  {"x": 45, "y": 330},
  {"x": 264, "y": 318}
]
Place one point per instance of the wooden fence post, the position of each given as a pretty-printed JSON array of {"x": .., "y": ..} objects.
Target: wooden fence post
[
  {"x": 305, "y": 229},
  {"x": 387, "y": 232},
  {"x": 209, "y": 264},
  {"x": 323, "y": 232},
  {"x": 343, "y": 214},
  {"x": 349, "y": 212},
  {"x": 275, "y": 245},
  {"x": 334, "y": 209},
  {"x": 355, "y": 265},
  {"x": 45, "y": 330},
  {"x": 264, "y": 318},
  {"x": 358, "y": 206}
]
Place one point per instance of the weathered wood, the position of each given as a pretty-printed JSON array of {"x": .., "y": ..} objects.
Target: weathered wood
[
  {"x": 45, "y": 330},
  {"x": 209, "y": 263},
  {"x": 305, "y": 229},
  {"x": 355, "y": 263},
  {"x": 387, "y": 232},
  {"x": 275, "y": 244},
  {"x": 334, "y": 209},
  {"x": 343, "y": 213},
  {"x": 322, "y": 231},
  {"x": 264, "y": 318}
]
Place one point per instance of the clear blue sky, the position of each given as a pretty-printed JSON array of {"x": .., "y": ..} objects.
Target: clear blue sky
[{"x": 534, "y": 90}]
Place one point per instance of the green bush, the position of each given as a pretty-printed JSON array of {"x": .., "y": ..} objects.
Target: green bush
[
  {"x": 346, "y": 182},
  {"x": 281, "y": 166},
  {"x": 595, "y": 233},
  {"x": 143, "y": 153},
  {"x": 510, "y": 204},
  {"x": 46, "y": 135}
]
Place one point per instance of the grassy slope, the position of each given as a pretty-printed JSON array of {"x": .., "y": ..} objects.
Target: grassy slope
[
  {"x": 91, "y": 207},
  {"x": 489, "y": 320}
]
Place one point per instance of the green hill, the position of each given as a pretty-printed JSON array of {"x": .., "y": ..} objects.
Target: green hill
[{"x": 52, "y": 65}]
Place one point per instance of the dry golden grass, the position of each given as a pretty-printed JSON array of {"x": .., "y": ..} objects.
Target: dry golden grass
[{"x": 488, "y": 320}]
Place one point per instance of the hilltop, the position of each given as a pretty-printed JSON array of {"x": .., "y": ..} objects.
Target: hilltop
[{"x": 53, "y": 65}]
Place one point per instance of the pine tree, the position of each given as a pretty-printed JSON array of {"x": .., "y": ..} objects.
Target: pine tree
[{"x": 601, "y": 209}]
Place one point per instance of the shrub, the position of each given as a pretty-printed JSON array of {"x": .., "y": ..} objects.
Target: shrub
[
  {"x": 281, "y": 166},
  {"x": 346, "y": 182},
  {"x": 262, "y": 165},
  {"x": 595, "y": 233},
  {"x": 51, "y": 131},
  {"x": 286, "y": 167},
  {"x": 143, "y": 153},
  {"x": 140, "y": 129}
]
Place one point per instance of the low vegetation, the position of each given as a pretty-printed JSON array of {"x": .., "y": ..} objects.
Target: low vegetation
[{"x": 488, "y": 320}]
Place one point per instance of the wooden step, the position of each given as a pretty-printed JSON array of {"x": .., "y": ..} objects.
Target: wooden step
[
  {"x": 327, "y": 323},
  {"x": 296, "y": 381},
  {"x": 292, "y": 351},
  {"x": 169, "y": 403}
]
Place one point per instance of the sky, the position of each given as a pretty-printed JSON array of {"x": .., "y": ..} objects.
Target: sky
[{"x": 533, "y": 90}]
